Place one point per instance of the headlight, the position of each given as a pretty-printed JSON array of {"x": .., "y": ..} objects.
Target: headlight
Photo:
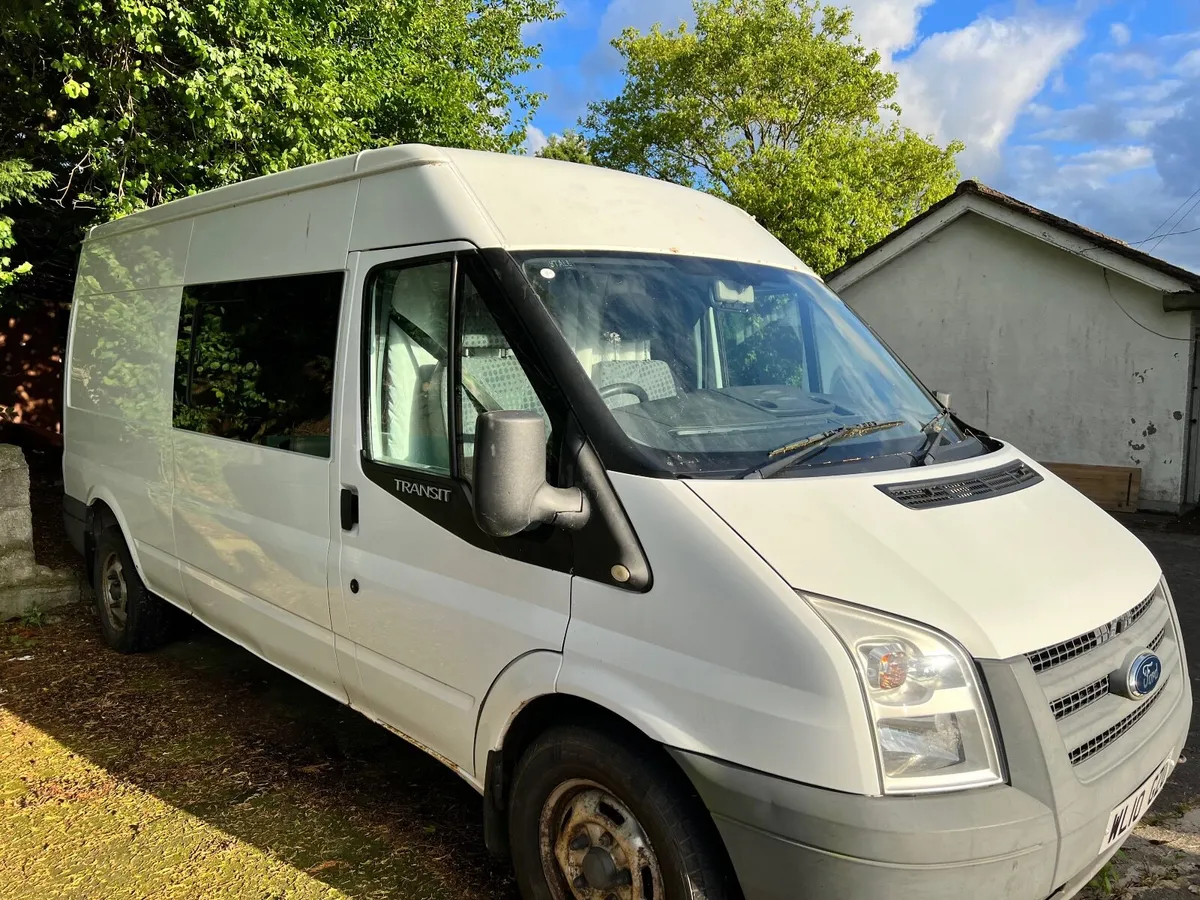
[{"x": 933, "y": 731}]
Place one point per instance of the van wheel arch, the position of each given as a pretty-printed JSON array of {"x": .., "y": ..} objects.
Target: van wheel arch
[
  {"x": 99, "y": 516},
  {"x": 536, "y": 717}
]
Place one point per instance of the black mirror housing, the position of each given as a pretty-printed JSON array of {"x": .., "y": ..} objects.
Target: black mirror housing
[{"x": 511, "y": 491}]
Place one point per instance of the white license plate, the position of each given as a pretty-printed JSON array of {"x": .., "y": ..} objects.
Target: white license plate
[{"x": 1122, "y": 819}]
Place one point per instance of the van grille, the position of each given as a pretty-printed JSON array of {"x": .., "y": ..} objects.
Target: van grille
[
  {"x": 1158, "y": 639},
  {"x": 1103, "y": 739},
  {"x": 1049, "y": 657},
  {"x": 976, "y": 486},
  {"x": 1077, "y": 700},
  {"x": 1074, "y": 677}
]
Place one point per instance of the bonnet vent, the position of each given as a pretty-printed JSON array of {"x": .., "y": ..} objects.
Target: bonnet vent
[{"x": 963, "y": 489}]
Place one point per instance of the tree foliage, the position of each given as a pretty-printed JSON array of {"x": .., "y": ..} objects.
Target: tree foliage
[
  {"x": 18, "y": 182},
  {"x": 570, "y": 146},
  {"x": 129, "y": 103},
  {"x": 777, "y": 107}
]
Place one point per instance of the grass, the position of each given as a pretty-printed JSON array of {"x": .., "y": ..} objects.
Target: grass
[
  {"x": 1105, "y": 881},
  {"x": 199, "y": 771},
  {"x": 34, "y": 617}
]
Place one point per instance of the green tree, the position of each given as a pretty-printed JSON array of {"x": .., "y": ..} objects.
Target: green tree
[
  {"x": 776, "y": 106},
  {"x": 570, "y": 146},
  {"x": 131, "y": 103},
  {"x": 18, "y": 182}
]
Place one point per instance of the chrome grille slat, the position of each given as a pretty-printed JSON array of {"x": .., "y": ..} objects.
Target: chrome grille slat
[
  {"x": 1057, "y": 654},
  {"x": 1157, "y": 640},
  {"x": 1077, "y": 700},
  {"x": 1086, "y": 751}
]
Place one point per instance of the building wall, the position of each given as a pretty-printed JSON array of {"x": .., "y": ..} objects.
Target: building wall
[{"x": 1034, "y": 350}]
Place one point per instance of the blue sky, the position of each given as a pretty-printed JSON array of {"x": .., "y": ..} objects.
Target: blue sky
[{"x": 1088, "y": 108}]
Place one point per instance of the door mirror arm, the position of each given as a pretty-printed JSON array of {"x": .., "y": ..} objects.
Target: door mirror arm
[{"x": 511, "y": 491}]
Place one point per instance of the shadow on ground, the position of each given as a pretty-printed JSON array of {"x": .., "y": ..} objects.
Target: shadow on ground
[{"x": 212, "y": 730}]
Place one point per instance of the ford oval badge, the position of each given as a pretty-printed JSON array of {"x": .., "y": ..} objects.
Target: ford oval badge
[{"x": 1144, "y": 673}]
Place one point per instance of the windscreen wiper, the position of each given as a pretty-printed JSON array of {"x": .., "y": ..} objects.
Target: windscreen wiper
[
  {"x": 798, "y": 451},
  {"x": 932, "y": 430}
]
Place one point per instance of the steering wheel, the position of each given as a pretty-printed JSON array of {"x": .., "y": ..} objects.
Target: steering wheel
[{"x": 624, "y": 387}]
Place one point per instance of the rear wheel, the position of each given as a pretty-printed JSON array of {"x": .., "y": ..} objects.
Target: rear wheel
[
  {"x": 131, "y": 618},
  {"x": 592, "y": 819}
]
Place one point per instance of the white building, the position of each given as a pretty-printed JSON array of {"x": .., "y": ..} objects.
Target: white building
[{"x": 1076, "y": 347}]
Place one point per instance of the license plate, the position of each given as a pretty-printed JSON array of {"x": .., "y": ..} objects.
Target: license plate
[{"x": 1122, "y": 819}]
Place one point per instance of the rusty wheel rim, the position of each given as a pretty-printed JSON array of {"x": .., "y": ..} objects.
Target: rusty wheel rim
[
  {"x": 114, "y": 592},
  {"x": 593, "y": 847}
]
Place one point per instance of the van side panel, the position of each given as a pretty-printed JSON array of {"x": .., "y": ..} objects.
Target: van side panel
[
  {"x": 251, "y": 521},
  {"x": 307, "y": 231},
  {"x": 121, "y": 355},
  {"x": 420, "y": 205},
  {"x": 252, "y": 529},
  {"x": 137, "y": 260}
]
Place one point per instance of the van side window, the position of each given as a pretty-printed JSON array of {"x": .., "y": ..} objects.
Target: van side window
[
  {"x": 409, "y": 331},
  {"x": 491, "y": 376},
  {"x": 255, "y": 361}
]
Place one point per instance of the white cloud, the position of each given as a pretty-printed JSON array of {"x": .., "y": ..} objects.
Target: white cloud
[
  {"x": 1189, "y": 66},
  {"x": 888, "y": 26},
  {"x": 1176, "y": 142},
  {"x": 1105, "y": 64},
  {"x": 1120, "y": 33},
  {"x": 639, "y": 14},
  {"x": 535, "y": 140},
  {"x": 1148, "y": 93},
  {"x": 642, "y": 14},
  {"x": 973, "y": 83},
  {"x": 1093, "y": 168}
]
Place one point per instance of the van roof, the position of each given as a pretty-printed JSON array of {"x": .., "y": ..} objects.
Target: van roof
[
  {"x": 528, "y": 203},
  {"x": 289, "y": 181}
]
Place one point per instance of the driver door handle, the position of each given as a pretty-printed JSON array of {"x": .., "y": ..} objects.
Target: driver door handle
[{"x": 349, "y": 509}]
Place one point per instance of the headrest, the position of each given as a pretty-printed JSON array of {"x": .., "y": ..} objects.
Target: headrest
[{"x": 630, "y": 314}]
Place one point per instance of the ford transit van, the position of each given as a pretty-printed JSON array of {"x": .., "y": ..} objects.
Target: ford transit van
[{"x": 586, "y": 485}]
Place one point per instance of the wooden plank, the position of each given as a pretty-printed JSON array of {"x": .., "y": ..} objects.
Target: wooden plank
[{"x": 1109, "y": 487}]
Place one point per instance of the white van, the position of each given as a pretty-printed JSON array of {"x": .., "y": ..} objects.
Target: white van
[{"x": 587, "y": 486}]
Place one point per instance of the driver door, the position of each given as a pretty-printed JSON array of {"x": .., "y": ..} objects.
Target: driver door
[{"x": 432, "y": 608}]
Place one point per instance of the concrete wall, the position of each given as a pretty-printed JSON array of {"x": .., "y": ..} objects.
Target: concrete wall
[
  {"x": 24, "y": 584},
  {"x": 1033, "y": 349}
]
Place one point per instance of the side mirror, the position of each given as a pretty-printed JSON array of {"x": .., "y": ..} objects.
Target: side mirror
[
  {"x": 943, "y": 397},
  {"x": 511, "y": 492}
]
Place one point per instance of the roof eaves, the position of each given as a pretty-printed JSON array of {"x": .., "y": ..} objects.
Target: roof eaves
[{"x": 1101, "y": 241}]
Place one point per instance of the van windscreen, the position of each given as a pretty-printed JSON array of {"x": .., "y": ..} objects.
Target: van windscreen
[{"x": 718, "y": 363}]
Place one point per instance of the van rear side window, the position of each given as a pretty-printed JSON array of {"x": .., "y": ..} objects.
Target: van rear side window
[{"x": 255, "y": 360}]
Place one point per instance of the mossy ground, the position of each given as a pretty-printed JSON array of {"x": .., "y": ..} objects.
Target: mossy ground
[{"x": 199, "y": 771}]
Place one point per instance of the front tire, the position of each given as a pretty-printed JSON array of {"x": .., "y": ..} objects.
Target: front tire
[
  {"x": 591, "y": 818},
  {"x": 131, "y": 618}
]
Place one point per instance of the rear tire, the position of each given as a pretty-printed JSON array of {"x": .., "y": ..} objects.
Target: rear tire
[
  {"x": 131, "y": 618},
  {"x": 591, "y": 818}
]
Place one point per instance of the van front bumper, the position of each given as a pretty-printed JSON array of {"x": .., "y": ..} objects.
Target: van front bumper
[
  {"x": 789, "y": 840},
  {"x": 1037, "y": 838}
]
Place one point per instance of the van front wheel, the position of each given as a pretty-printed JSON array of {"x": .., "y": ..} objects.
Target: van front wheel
[
  {"x": 131, "y": 618},
  {"x": 590, "y": 819}
]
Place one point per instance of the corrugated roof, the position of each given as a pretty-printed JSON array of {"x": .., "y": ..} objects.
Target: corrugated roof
[{"x": 1102, "y": 241}]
